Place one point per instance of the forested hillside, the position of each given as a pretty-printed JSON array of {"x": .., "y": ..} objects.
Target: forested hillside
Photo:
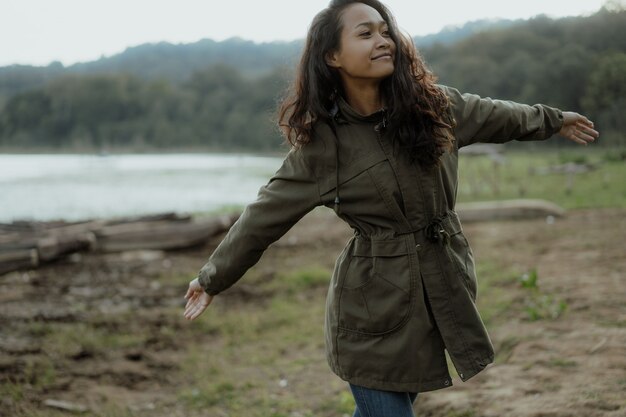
[{"x": 573, "y": 63}]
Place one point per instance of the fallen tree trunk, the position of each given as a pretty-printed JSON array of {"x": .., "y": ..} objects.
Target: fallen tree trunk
[
  {"x": 53, "y": 247},
  {"x": 508, "y": 210},
  {"x": 26, "y": 246},
  {"x": 18, "y": 259},
  {"x": 159, "y": 235}
]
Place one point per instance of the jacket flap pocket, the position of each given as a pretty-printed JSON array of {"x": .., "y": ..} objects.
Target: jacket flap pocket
[
  {"x": 380, "y": 248},
  {"x": 346, "y": 173}
]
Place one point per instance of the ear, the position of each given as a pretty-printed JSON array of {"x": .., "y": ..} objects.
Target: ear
[{"x": 332, "y": 60}]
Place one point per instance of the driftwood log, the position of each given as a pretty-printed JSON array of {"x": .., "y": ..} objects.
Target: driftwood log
[
  {"x": 508, "y": 210},
  {"x": 159, "y": 234},
  {"x": 26, "y": 245}
]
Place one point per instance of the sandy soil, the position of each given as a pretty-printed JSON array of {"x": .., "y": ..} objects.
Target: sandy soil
[{"x": 574, "y": 365}]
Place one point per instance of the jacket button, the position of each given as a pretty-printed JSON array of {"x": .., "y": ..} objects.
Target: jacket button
[
  {"x": 446, "y": 382},
  {"x": 418, "y": 247}
]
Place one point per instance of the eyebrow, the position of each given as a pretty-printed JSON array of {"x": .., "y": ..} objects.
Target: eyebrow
[{"x": 370, "y": 24}]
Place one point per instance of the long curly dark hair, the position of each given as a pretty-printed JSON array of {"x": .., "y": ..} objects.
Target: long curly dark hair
[{"x": 417, "y": 110}]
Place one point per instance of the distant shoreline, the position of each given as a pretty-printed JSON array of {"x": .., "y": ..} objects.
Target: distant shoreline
[{"x": 134, "y": 151}]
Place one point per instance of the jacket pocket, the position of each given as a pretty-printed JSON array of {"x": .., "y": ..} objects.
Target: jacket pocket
[
  {"x": 461, "y": 256},
  {"x": 375, "y": 295}
]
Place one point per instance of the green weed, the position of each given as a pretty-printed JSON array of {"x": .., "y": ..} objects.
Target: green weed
[{"x": 539, "y": 305}]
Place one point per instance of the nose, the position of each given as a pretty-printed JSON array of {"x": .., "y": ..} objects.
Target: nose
[{"x": 383, "y": 42}]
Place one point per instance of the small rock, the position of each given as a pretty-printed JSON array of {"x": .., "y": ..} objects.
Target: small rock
[
  {"x": 75, "y": 258},
  {"x": 142, "y": 255},
  {"x": 64, "y": 405}
]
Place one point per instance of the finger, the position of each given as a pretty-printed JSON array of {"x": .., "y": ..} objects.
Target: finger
[
  {"x": 192, "y": 288},
  {"x": 577, "y": 140},
  {"x": 590, "y": 131},
  {"x": 195, "y": 311},
  {"x": 585, "y": 134},
  {"x": 586, "y": 137},
  {"x": 191, "y": 300},
  {"x": 199, "y": 310},
  {"x": 587, "y": 121},
  {"x": 190, "y": 305},
  {"x": 193, "y": 294},
  {"x": 190, "y": 291},
  {"x": 197, "y": 304}
]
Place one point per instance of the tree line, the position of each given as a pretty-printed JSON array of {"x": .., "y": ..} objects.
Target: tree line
[{"x": 576, "y": 63}]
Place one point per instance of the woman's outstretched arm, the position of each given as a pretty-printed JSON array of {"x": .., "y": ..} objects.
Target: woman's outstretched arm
[
  {"x": 291, "y": 193},
  {"x": 479, "y": 119}
]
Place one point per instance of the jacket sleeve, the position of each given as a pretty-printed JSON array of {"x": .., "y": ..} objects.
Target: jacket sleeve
[
  {"x": 289, "y": 194},
  {"x": 497, "y": 121}
]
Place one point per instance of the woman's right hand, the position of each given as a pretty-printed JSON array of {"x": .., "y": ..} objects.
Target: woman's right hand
[
  {"x": 578, "y": 128},
  {"x": 197, "y": 300}
]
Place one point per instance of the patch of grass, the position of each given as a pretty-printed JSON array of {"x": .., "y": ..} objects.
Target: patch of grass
[
  {"x": 239, "y": 368},
  {"x": 300, "y": 280},
  {"x": 338, "y": 405},
  {"x": 573, "y": 156},
  {"x": 461, "y": 413},
  {"x": 562, "y": 363},
  {"x": 70, "y": 338},
  {"x": 612, "y": 323},
  {"x": 11, "y": 391},
  {"x": 544, "y": 306},
  {"x": 114, "y": 410},
  {"x": 208, "y": 394},
  {"x": 37, "y": 328},
  {"x": 40, "y": 373},
  {"x": 505, "y": 349},
  {"x": 494, "y": 295},
  {"x": 481, "y": 180}
]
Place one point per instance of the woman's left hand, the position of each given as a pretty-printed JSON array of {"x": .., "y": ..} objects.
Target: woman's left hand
[{"x": 578, "y": 128}]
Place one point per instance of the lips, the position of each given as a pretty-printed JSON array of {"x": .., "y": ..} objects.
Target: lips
[{"x": 385, "y": 55}]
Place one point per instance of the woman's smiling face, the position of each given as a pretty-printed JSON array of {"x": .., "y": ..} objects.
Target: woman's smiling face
[{"x": 366, "y": 49}]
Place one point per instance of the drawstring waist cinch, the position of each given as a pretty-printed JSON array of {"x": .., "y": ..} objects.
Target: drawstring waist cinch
[{"x": 435, "y": 231}]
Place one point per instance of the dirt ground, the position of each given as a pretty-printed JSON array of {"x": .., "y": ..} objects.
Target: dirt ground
[{"x": 571, "y": 365}]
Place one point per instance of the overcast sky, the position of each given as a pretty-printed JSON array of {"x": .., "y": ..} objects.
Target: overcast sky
[{"x": 37, "y": 32}]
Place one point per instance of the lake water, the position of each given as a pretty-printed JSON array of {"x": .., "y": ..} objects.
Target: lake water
[{"x": 78, "y": 187}]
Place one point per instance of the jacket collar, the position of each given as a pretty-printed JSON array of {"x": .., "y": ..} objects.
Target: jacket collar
[{"x": 347, "y": 114}]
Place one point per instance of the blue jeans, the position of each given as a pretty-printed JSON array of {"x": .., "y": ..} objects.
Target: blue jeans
[{"x": 376, "y": 403}]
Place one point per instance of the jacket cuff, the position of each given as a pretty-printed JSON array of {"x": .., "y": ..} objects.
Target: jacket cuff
[
  {"x": 204, "y": 278},
  {"x": 555, "y": 117}
]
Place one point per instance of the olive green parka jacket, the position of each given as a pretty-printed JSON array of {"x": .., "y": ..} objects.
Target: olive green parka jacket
[{"x": 404, "y": 287}]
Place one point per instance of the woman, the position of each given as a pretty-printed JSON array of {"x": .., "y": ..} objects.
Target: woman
[{"x": 374, "y": 138}]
